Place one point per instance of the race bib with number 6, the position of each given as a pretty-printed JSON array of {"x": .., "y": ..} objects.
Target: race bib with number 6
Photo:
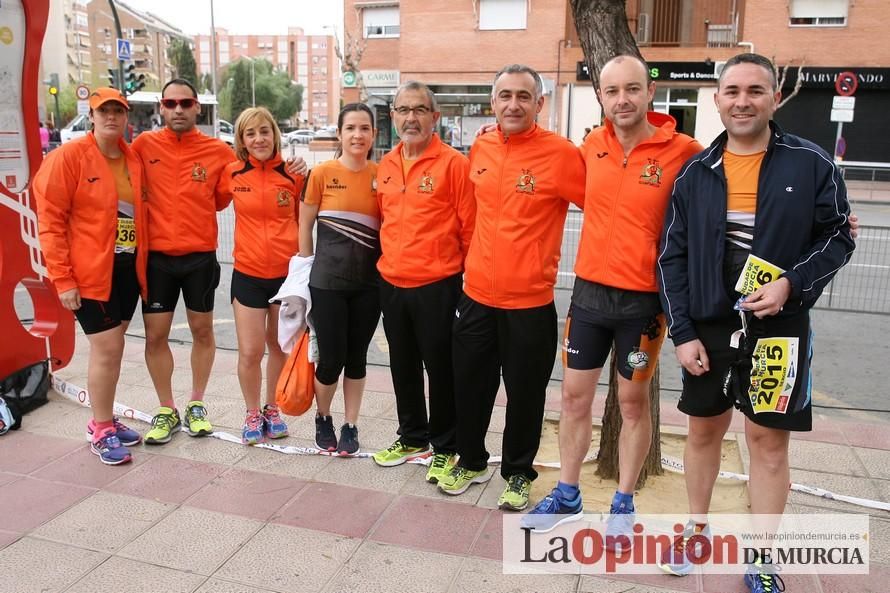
[
  {"x": 125, "y": 242},
  {"x": 756, "y": 273},
  {"x": 773, "y": 374}
]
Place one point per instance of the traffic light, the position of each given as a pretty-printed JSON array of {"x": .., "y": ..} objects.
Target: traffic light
[
  {"x": 52, "y": 84},
  {"x": 112, "y": 78},
  {"x": 132, "y": 82}
]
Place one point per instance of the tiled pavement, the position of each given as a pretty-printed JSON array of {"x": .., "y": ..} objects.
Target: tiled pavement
[{"x": 202, "y": 515}]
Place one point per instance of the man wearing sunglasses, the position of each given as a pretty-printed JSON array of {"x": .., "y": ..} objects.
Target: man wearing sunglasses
[{"x": 182, "y": 168}]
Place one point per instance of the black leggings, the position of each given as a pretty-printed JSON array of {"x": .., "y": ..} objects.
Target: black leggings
[{"x": 344, "y": 321}]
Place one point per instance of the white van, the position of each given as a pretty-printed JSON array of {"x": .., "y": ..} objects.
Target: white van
[{"x": 77, "y": 127}]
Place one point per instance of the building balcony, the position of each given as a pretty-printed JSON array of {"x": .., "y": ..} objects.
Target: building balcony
[{"x": 685, "y": 23}]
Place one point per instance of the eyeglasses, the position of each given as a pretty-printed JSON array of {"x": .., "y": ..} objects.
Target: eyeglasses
[
  {"x": 172, "y": 103},
  {"x": 419, "y": 111}
]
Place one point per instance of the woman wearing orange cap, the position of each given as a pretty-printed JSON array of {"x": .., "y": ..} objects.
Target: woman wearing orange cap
[
  {"x": 90, "y": 219},
  {"x": 266, "y": 211}
]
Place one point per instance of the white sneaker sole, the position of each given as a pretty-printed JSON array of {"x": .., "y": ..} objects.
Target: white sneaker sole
[{"x": 480, "y": 479}]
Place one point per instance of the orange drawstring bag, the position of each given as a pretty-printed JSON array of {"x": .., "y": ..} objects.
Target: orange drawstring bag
[{"x": 296, "y": 384}]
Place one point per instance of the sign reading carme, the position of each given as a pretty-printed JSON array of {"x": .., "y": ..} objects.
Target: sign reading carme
[
  {"x": 82, "y": 92},
  {"x": 123, "y": 49},
  {"x": 846, "y": 84}
]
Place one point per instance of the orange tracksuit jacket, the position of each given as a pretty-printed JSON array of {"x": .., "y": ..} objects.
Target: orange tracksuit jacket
[
  {"x": 183, "y": 175},
  {"x": 523, "y": 186},
  {"x": 427, "y": 218},
  {"x": 625, "y": 202},
  {"x": 77, "y": 217},
  {"x": 267, "y": 207}
]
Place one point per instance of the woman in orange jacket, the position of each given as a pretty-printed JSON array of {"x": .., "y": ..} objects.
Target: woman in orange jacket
[
  {"x": 266, "y": 237},
  {"x": 91, "y": 225}
]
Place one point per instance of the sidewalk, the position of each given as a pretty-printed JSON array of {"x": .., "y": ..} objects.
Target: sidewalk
[{"x": 203, "y": 515}]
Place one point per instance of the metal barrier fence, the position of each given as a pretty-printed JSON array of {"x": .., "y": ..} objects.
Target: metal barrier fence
[
  {"x": 862, "y": 286},
  {"x": 866, "y": 181}
]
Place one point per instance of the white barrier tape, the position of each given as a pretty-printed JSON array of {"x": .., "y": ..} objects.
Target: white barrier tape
[{"x": 672, "y": 464}]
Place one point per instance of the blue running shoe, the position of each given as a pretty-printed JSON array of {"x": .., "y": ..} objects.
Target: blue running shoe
[
  {"x": 762, "y": 578},
  {"x": 126, "y": 435},
  {"x": 676, "y": 560},
  {"x": 552, "y": 511},
  {"x": 109, "y": 449},
  {"x": 619, "y": 530},
  {"x": 276, "y": 428},
  {"x": 252, "y": 431}
]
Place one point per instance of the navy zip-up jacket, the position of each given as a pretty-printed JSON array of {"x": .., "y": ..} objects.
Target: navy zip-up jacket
[{"x": 801, "y": 226}]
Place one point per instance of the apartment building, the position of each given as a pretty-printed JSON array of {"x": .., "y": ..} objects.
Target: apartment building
[
  {"x": 149, "y": 38},
  {"x": 457, "y": 46},
  {"x": 310, "y": 60},
  {"x": 66, "y": 43}
]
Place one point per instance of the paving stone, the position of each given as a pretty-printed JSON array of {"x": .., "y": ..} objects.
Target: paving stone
[
  {"x": 378, "y": 568},
  {"x": 31, "y": 565},
  {"x": 136, "y": 577}
]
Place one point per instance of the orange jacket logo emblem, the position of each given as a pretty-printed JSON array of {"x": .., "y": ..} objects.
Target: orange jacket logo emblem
[
  {"x": 426, "y": 183},
  {"x": 526, "y": 182},
  {"x": 199, "y": 173},
  {"x": 651, "y": 174},
  {"x": 283, "y": 198}
]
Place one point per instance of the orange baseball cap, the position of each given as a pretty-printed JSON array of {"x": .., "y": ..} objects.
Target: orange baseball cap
[{"x": 104, "y": 94}]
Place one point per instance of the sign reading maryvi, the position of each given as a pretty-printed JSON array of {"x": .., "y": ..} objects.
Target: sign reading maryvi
[
  {"x": 756, "y": 273},
  {"x": 773, "y": 374}
]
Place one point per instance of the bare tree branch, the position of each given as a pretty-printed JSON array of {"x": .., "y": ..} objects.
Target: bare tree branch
[{"x": 783, "y": 76}]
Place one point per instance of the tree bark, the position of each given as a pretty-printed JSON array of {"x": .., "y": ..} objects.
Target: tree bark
[{"x": 604, "y": 33}]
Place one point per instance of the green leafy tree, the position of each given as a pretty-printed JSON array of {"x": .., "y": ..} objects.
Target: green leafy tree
[
  {"x": 67, "y": 103},
  {"x": 205, "y": 84},
  {"x": 274, "y": 90},
  {"x": 179, "y": 52}
]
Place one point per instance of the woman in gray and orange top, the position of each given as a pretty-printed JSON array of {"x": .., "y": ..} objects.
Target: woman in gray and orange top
[
  {"x": 91, "y": 221},
  {"x": 266, "y": 232},
  {"x": 341, "y": 194}
]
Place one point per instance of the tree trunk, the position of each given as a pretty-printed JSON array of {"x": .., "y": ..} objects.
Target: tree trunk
[
  {"x": 607, "y": 461},
  {"x": 604, "y": 34},
  {"x": 603, "y": 31}
]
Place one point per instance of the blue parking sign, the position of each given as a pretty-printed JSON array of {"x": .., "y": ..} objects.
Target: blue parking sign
[{"x": 123, "y": 49}]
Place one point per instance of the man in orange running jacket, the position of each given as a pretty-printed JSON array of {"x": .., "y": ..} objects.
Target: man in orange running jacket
[
  {"x": 631, "y": 163},
  {"x": 427, "y": 209},
  {"x": 182, "y": 169},
  {"x": 524, "y": 179}
]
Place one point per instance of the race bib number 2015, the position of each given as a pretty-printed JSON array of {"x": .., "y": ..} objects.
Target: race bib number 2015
[
  {"x": 773, "y": 374},
  {"x": 756, "y": 273}
]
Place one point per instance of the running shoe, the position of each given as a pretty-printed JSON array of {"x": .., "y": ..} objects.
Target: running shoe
[
  {"x": 348, "y": 444},
  {"x": 676, "y": 560},
  {"x": 399, "y": 453},
  {"x": 762, "y": 578},
  {"x": 165, "y": 422},
  {"x": 325, "y": 437},
  {"x": 195, "y": 421},
  {"x": 276, "y": 428},
  {"x": 515, "y": 495},
  {"x": 619, "y": 529},
  {"x": 252, "y": 431},
  {"x": 460, "y": 478},
  {"x": 109, "y": 448},
  {"x": 552, "y": 511},
  {"x": 440, "y": 466},
  {"x": 126, "y": 435}
]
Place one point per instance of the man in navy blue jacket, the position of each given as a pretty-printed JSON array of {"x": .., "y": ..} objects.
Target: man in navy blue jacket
[{"x": 757, "y": 227}]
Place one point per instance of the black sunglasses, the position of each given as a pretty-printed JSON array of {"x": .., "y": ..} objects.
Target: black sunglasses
[{"x": 172, "y": 103}]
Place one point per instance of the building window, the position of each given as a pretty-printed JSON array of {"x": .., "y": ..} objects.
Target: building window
[
  {"x": 503, "y": 14},
  {"x": 818, "y": 13},
  {"x": 382, "y": 21}
]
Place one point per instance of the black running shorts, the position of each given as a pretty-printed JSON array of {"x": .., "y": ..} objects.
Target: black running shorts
[
  {"x": 254, "y": 292},
  {"x": 196, "y": 275},
  {"x": 99, "y": 316}
]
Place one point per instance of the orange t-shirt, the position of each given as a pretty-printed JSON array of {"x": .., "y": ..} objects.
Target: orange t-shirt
[{"x": 742, "y": 174}]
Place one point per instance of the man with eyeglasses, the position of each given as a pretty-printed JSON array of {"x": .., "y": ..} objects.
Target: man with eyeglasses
[
  {"x": 427, "y": 210},
  {"x": 505, "y": 321},
  {"x": 182, "y": 168}
]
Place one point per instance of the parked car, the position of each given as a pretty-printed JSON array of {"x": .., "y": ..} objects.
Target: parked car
[
  {"x": 77, "y": 127},
  {"x": 227, "y": 132},
  {"x": 299, "y": 136},
  {"x": 327, "y": 132}
]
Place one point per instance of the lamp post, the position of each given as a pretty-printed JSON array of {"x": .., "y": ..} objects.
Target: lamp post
[{"x": 252, "y": 80}]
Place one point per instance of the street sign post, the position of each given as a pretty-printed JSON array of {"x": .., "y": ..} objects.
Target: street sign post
[
  {"x": 123, "y": 50},
  {"x": 842, "y": 108},
  {"x": 82, "y": 92}
]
